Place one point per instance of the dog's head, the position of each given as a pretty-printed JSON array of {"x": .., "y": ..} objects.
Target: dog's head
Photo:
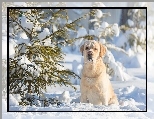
[{"x": 92, "y": 50}]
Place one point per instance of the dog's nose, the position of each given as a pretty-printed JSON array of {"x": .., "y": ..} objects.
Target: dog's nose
[{"x": 90, "y": 52}]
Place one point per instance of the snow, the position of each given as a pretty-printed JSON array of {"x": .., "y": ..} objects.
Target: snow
[
  {"x": 12, "y": 101},
  {"x": 99, "y": 14},
  {"x": 26, "y": 23},
  {"x": 23, "y": 39},
  {"x": 93, "y": 20},
  {"x": 130, "y": 22},
  {"x": 143, "y": 24},
  {"x": 104, "y": 25},
  {"x": 115, "y": 29},
  {"x": 91, "y": 32},
  {"x": 81, "y": 32},
  {"x": 121, "y": 40},
  {"x": 131, "y": 92},
  {"x": 27, "y": 65},
  {"x": 102, "y": 41},
  {"x": 43, "y": 34},
  {"x": 141, "y": 35},
  {"x": 98, "y": 4},
  {"x": 140, "y": 4},
  {"x": 150, "y": 61},
  {"x": 79, "y": 12},
  {"x": 138, "y": 61},
  {"x": 4, "y": 105},
  {"x": 20, "y": 4},
  {"x": 65, "y": 97},
  {"x": 54, "y": 28},
  {"x": 12, "y": 46},
  {"x": 131, "y": 95},
  {"x": 4, "y": 46}
]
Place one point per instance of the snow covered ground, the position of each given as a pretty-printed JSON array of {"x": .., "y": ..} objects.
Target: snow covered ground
[{"x": 131, "y": 94}]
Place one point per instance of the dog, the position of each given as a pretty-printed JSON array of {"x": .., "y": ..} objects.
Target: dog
[{"x": 95, "y": 85}]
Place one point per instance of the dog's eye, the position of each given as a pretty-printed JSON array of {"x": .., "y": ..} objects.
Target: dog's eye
[
  {"x": 95, "y": 48},
  {"x": 86, "y": 48}
]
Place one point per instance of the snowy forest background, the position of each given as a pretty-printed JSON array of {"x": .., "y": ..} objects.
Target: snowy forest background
[{"x": 122, "y": 31}]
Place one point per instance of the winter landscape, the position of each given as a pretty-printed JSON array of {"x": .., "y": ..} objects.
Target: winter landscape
[{"x": 125, "y": 59}]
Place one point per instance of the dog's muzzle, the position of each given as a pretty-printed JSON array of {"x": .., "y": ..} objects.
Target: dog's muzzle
[{"x": 89, "y": 55}]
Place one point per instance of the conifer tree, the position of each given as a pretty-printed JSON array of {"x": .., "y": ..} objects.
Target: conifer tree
[{"x": 36, "y": 62}]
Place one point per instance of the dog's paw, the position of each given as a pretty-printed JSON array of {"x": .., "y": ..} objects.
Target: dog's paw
[{"x": 105, "y": 104}]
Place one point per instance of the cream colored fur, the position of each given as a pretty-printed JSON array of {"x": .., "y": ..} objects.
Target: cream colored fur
[{"x": 95, "y": 85}]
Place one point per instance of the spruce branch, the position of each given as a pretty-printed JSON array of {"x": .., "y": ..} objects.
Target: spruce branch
[
  {"x": 70, "y": 25},
  {"x": 27, "y": 33}
]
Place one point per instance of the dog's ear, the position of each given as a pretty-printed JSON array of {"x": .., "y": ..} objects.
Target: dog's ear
[
  {"x": 102, "y": 50},
  {"x": 81, "y": 49}
]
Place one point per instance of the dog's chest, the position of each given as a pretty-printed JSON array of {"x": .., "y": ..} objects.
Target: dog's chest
[
  {"x": 91, "y": 83},
  {"x": 93, "y": 90},
  {"x": 90, "y": 80},
  {"x": 91, "y": 70},
  {"x": 95, "y": 84}
]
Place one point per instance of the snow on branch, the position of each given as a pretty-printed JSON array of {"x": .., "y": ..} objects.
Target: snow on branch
[{"x": 111, "y": 46}]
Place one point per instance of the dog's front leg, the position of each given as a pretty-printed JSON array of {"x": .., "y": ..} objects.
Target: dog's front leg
[
  {"x": 105, "y": 100},
  {"x": 83, "y": 98}
]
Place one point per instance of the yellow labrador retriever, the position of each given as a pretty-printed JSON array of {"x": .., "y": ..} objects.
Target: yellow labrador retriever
[{"x": 95, "y": 85}]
